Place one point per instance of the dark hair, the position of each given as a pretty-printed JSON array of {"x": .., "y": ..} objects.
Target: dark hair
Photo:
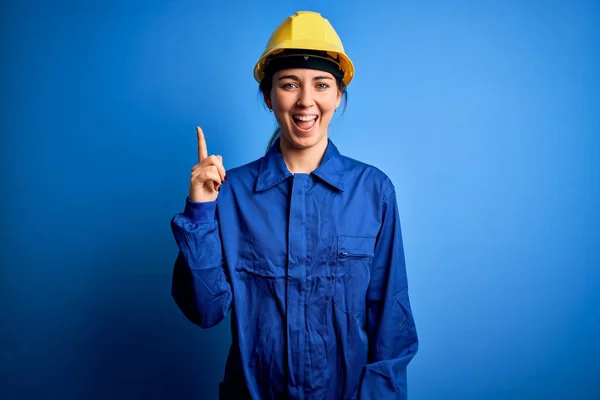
[{"x": 265, "y": 88}]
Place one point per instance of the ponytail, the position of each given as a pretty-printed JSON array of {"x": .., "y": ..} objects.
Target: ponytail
[{"x": 273, "y": 139}]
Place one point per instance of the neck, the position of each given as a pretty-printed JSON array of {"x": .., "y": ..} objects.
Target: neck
[{"x": 303, "y": 160}]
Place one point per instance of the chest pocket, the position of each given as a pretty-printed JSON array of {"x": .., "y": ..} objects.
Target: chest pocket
[
  {"x": 352, "y": 272},
  {"x": 261, "y": 259}
]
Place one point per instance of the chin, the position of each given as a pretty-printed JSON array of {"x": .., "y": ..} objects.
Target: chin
[{"x": 305, "y": 141}]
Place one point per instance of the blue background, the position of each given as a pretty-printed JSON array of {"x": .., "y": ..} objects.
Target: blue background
[{"x": 486, "y": 115}]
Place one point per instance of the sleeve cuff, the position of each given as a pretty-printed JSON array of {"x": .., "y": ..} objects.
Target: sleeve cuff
[{"x": 200, "y": 212}]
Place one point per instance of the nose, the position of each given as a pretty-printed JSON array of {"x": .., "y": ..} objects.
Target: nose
[{"x": 306, "y": 98}]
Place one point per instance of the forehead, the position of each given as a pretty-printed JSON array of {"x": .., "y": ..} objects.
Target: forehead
[{"x": 302, "y": 73}]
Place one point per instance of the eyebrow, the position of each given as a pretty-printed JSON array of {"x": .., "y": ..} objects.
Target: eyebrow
[{"x": 316, "y": 78}]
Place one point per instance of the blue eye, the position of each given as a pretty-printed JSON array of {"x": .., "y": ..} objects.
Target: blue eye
[
  {"x": 322, "y": 86},
  {"x": 288, "y": 86}
]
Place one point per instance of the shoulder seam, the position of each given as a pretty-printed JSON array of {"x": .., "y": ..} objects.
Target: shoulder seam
[{"x": 391, "y": 189}]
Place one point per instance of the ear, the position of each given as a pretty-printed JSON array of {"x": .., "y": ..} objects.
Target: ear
[
  {"x": 339, "y": 99},
  {"x": 267, "y": 101}
]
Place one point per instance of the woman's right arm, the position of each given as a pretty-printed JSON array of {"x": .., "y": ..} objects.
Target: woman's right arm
[{"x": 200, "y": 287}]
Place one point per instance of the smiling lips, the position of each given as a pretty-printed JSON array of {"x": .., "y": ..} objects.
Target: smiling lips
[{"x": 305, "y": 122}]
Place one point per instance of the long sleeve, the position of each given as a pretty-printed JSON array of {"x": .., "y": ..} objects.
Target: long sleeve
[
  {"x": 391, "y": 328},
  {"x": 200, "y": 286}
]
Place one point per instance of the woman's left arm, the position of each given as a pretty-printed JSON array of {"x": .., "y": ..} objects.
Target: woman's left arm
[{"x": 391, "y": 328}]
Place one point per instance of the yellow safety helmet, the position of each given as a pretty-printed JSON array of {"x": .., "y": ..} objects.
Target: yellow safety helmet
[{"x": 306, "y": 30}]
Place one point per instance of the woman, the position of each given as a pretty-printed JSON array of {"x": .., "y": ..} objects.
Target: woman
[{"x": 303, "y": 245}]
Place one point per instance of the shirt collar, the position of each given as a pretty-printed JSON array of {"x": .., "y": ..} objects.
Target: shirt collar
[{"x": 273, "y": 170}]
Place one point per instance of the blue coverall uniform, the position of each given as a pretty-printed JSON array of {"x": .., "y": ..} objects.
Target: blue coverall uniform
[{"x": 312, "y": 268}]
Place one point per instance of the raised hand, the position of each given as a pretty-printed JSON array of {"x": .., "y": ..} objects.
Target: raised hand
[{"x": 208, "y": 175}]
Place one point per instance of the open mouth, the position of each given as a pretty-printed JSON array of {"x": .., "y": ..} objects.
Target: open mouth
[{"x": 305, "y": 122}]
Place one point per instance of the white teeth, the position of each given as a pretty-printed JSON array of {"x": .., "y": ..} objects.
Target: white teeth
[{"x": 305, "y": 117}]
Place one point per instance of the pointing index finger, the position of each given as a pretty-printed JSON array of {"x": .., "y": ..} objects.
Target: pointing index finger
[{"x": 202, "y": 150}]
